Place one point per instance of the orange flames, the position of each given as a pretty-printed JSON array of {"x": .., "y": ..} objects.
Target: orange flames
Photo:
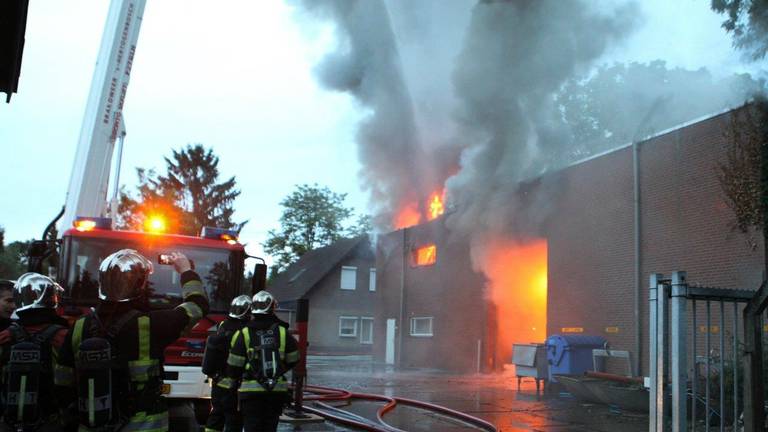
[
  {"x": 424, "y": 256},
  {"x": 410, "y": 214},
  {"x": 436, "y": 207},
  {"x": 517, "y": 276},
  {"x": 407, "y": 217}
]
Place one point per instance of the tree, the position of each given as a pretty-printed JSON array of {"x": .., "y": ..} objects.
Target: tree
[
  {"x": 12, "y": 257},
  {"x": 739, "y": 174},
  {"x": 623, "y": 102},
  {"x": 313, "y": 216},
  {"x": 188, "y": 195},
  {"x": 748, "y": 24},
  {"x": 363, "y": 226}
]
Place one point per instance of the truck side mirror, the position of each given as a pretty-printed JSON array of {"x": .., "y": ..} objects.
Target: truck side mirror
[{"x": 259, "y": 278}]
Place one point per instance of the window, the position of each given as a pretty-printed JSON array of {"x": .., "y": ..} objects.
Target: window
[
  {"x": 421, "y": 326},
  {"x": 347, "y": 326},
  {"x": 348, "y": 277},
  {"x": 424, "y": 256},
  {"x": 372, "y": 280},
  {"x": 366, "y": 330}
]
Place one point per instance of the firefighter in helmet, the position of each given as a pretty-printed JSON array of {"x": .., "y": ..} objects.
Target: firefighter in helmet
[
  {"x": 115, "y": 353},
  {"x": 260, "y": 354},
  {"x": 224, "y": 413},
  {"x": 30, "y": 348}
]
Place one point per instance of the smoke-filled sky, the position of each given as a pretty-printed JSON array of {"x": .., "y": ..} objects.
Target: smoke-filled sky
[{"x": 309, "y": 91}]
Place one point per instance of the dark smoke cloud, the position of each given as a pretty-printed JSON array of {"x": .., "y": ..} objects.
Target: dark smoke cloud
[
  {"x": 516, "y": 56},
  {"x": 367, "y": 65}
]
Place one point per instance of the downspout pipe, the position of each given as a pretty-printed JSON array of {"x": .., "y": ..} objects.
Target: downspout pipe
[
  {"x": 401, "y": 323},
  {"x": 638, "y": 259}
]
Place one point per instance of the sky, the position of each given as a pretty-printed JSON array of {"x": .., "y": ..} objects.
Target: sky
[{"x": 238, "y": 78}]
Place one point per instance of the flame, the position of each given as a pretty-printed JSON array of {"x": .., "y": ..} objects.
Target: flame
[
  {"x": 435, "y": 207},
  {"x": 426, "y": 255},
  {"x": 517, "y": 276},
  {"x": 408, "y": 216}
]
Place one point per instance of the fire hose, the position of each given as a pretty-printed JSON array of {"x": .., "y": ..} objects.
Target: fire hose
[{"x": 319, "y": 395}]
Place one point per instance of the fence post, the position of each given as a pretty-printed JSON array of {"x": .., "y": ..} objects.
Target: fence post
[
  {"x": 754, "y": 400},
  {"x": 679, "y": 363},
  {"x": 653, "y": 294}
]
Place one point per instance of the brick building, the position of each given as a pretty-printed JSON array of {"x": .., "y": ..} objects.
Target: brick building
[{"x": 597, "y": 273}]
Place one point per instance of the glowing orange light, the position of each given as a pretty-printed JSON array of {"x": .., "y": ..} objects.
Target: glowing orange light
[
  {"x": 436, "y": 207},
  {"x": 425, "y": 256},
  {"x": 85, "y": 225},
  {"x": 229, "y": 239},
  {"x": 408, "y": 216},
  {"x": 155, "y": 224},
  {"x": 517, "y": 276}
]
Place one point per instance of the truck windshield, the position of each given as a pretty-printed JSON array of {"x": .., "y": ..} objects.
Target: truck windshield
[{"x": 213, "y": 266}]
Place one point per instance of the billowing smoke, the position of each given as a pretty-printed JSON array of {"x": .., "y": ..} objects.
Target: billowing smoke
[
  {"x": 367, "y": 65},
  {"x": 515, "y": 58}
]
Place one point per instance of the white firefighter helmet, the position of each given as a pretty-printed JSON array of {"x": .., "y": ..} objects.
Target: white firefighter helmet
[
  {"x": 123, "y": 276},
  {"x": 263, "y": 303},
  {"x": 35, "y": 291},
  {"x": 240, "y": 306}
]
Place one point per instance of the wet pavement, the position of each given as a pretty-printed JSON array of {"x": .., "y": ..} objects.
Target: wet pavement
[{"x": 493, "y": 398}]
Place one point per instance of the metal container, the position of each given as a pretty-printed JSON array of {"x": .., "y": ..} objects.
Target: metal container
[
  {"x": 530, "y": 360},
  {"x": 571, "y": 354}
]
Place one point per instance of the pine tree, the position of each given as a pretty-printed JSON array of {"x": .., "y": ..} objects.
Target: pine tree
[{"x": 189, "y": 195}]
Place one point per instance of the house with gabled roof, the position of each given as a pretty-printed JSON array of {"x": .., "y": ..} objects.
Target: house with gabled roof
[{"x": 339, "y": 281}]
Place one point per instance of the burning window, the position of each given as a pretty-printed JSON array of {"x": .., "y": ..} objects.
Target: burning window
[{"x": 424, "y": 256}]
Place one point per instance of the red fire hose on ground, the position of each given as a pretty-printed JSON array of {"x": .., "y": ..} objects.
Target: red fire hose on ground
[{"x": 319, "y": 395}]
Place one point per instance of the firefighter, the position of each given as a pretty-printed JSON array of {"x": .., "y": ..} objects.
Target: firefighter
[
  {"x": 38, "y": 334},
  {"x": 115, "y": 353},
  {"x": 224, "y": 414},
  {"x": 260, "y": 354},
  {"x": 7, "y": 303}
]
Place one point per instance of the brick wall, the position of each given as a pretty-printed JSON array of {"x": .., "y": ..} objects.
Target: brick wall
[
  {"x": 685, "y": 225},
  {"x": 589, "y": 226},
  {"x": 327, "y": 302}
]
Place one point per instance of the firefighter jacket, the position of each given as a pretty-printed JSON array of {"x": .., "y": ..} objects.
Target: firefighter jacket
[
  {"x": 243, "y": 351},
  {"x": 139, "y": 343},
  {"x": 35, "y": 321},
  {"x": 228, "y": 328}
]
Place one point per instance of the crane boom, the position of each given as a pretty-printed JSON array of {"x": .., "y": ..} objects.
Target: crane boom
[{"x": 88, "y": 184}]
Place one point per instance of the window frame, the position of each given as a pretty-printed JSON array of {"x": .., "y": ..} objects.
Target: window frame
[
  {"x": 341, "y": 278},
  {"x": 372, "y": 279},
  {"x": 414, "y": 260},
  {"x": 431, "y": 326},
  {"x": 354, "y": 320},
  {"x": 370, "y": 340}
]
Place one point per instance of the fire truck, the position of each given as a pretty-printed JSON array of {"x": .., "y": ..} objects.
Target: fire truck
[{"x": 87, "y": 234}]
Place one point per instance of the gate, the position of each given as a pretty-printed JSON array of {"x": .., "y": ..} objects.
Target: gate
[{"x": 681, "y": 315}]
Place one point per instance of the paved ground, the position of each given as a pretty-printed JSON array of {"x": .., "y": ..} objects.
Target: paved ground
[{"x": 491, "y": 397}]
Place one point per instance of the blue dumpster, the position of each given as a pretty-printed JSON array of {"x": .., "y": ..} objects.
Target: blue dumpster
[{"x": 571, "y": 354}]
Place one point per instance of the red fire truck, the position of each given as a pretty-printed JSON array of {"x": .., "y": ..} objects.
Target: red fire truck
[{"x": 88, "y": 234}]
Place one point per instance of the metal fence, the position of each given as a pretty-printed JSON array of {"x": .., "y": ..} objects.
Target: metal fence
[{"x": 692, "y": 357}]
